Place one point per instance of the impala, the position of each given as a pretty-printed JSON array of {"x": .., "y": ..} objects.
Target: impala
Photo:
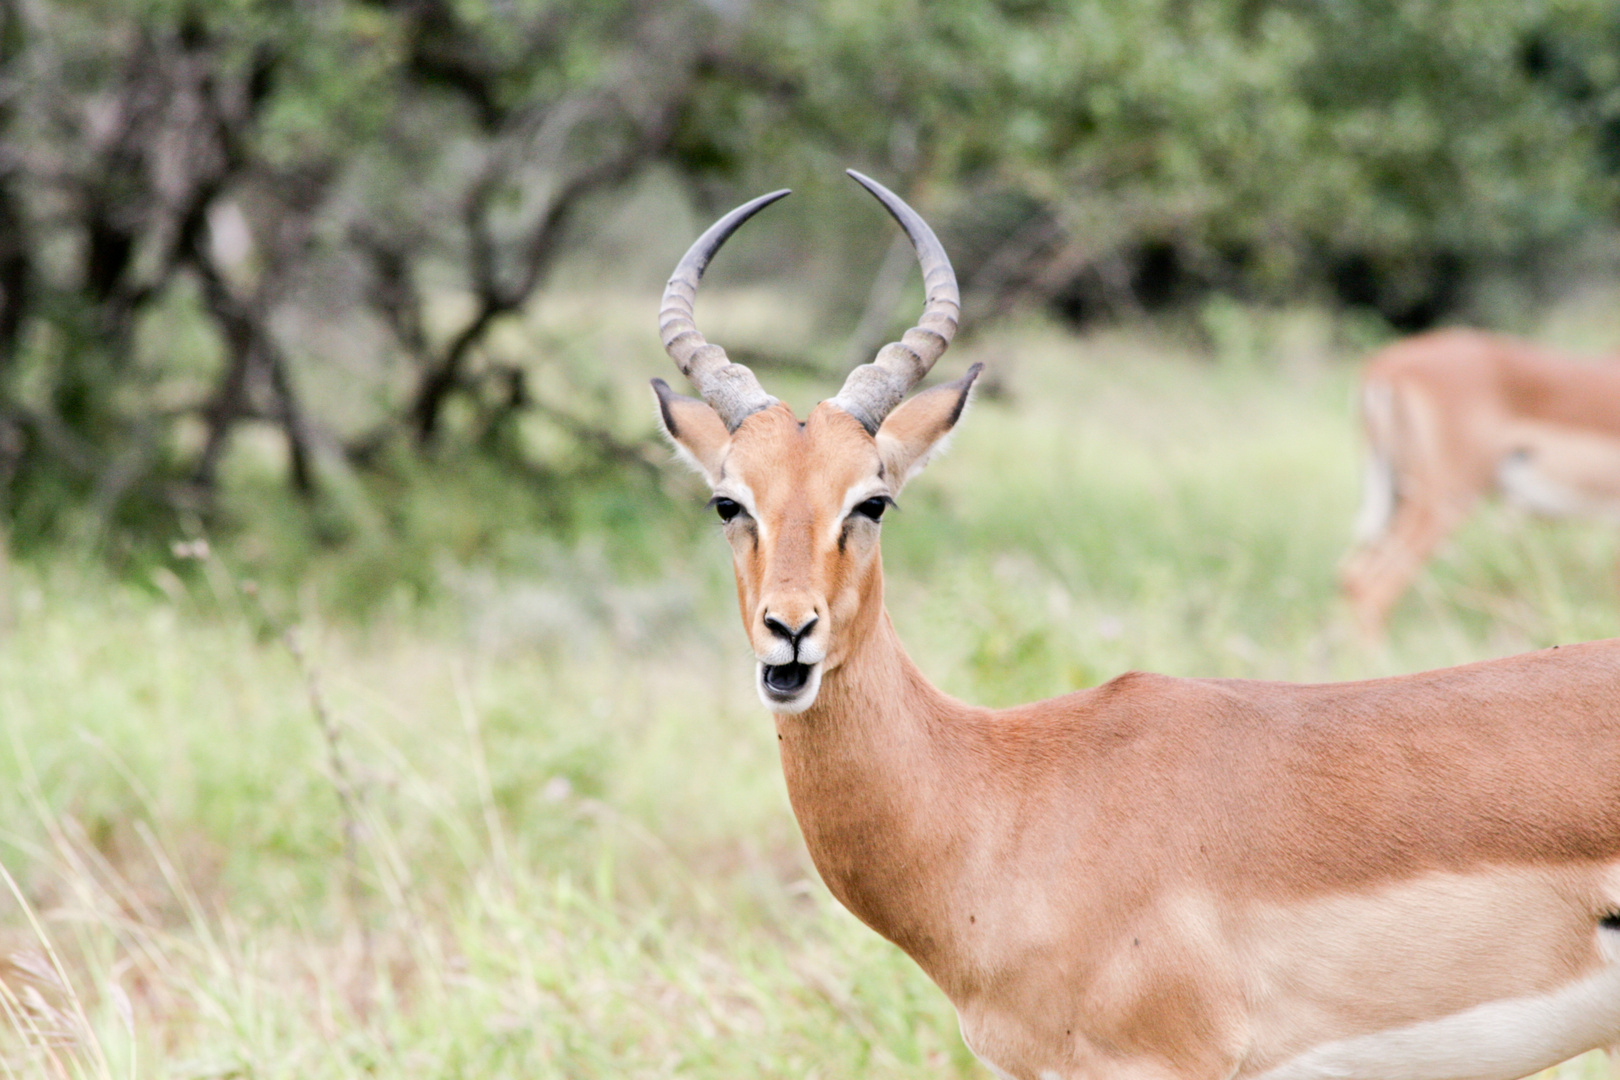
[
  {"x": 1414, "y": 878},
  {"x": 1452, "y": 415}
]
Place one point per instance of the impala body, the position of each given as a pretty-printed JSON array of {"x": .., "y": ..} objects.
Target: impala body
[
  {"x": 1414, "y": 878},
  {"x": 1455, "y": 414}
]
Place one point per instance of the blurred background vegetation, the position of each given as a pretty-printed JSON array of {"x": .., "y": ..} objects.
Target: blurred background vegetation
[
  {"x": 245, "y": 235},
  {"x": 371, "y": 699}
]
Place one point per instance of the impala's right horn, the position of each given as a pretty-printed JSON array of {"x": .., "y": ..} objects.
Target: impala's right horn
[
  {"x": 873, "y": 389},
  {"x": 730, "y": 389}
]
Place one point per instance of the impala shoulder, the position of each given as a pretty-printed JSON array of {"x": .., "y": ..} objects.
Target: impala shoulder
[
  {"x": 1133, "y": 681},
  {"x": 1143, "y": 705},
  {"x": 1151, "y": 690},
  {"x": 1133, "y": 694}
]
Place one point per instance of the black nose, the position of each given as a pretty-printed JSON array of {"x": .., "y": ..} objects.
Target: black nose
[{"x": 786, "y": 633}]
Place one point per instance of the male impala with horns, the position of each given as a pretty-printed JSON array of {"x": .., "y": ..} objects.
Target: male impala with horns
[{"x": 1414, "y": 878}]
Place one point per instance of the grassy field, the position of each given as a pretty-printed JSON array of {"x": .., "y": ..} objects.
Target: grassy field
[{"x": 533, "y": 826}]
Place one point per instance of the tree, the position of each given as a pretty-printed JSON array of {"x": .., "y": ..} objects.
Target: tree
[
  {"x": 245, "y": 169},
  {"x": 1105, "y": 155}
]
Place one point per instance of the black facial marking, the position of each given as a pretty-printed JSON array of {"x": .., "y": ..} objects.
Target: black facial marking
[{"x": 1611, "y": 921}]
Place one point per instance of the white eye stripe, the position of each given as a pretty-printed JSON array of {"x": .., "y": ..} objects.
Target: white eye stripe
[
  {"x": 734, "y": 489},
  {"x": 859, "y": 493},
  {"x": 866, "y": 488},
  {"x": 739, "y": 493}
]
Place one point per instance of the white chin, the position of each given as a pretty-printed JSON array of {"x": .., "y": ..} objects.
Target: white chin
[{"x": 786, "y": 693}]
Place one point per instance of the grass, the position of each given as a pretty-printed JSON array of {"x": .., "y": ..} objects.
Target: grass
[{"x": 533, "y": 824}]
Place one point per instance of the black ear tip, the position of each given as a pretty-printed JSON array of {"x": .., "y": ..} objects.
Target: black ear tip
[
  {"x": 966, "y": 381},
  {"x": 664, "y": 394}
]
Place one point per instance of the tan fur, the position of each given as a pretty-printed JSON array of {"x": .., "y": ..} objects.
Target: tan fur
[
  {"x": 1167, "y": 877},
  {"x": 1457, "y": 413}
]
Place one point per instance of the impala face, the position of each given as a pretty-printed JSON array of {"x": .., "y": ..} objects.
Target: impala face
[
  {"x": 802, "y": 503},
  {"x": 802, "y": 506}
]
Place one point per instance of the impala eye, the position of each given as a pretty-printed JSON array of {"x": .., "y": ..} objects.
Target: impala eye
[
  {"x": 874, "y": 507},
  {"x": 726, "y": 508}
]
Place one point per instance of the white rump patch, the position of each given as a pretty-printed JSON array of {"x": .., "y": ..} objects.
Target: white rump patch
[
  {"x": 1378, "y": 471},
  {"x": 1377, "y": 498}
]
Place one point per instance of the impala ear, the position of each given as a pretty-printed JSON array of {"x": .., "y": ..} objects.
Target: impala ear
[
  {"x": 918, "y": 428},
  {"x": 696, "y": 430}
]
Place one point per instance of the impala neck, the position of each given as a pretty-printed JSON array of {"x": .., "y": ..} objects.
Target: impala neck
[{"x": 873, "y": 780}]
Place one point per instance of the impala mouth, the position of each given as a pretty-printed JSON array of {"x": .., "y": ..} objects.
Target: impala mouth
[
  {"x": 785, "y": 680},
  {"x": 790, "y": 687}
]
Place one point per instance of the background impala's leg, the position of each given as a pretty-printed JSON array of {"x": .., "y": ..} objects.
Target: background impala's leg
[
  {"x": 1416, "y": 491},
  {"x": 1376, "y": 575}
]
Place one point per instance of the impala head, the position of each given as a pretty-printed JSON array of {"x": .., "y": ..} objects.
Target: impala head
[{"x": 801, "y": 502}]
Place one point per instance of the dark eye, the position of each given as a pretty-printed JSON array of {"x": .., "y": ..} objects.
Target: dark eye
[
  {"x": 873, "y": 507},
  {"x": 726, "y": 508}
]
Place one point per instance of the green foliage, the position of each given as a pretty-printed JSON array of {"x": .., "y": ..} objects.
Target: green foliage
[
  {"x": 322, "y": 220},
  {"x": 336, "y": 220},
  {"x": 1098, "y": 153}
]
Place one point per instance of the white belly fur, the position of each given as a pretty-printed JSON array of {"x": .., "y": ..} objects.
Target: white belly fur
[
  {"x": 1486, "y": 976},
  {"x": 1561, "y": 472},
  {"x": 1500, "y": 1040}
]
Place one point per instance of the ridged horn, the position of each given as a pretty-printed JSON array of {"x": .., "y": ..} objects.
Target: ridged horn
[
  {"x": 730, "y": 389},
  {"x": 872, "y": 390}
]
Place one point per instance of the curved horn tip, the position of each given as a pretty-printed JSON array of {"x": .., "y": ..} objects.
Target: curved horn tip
[
  {"x": 730, "y": 222},
  {"x": 897, "y": 207},
  {"x": 866, "y": 182}
]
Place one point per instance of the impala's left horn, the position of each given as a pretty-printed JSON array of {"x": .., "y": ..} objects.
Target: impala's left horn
[{"x": 731, "y": 389}]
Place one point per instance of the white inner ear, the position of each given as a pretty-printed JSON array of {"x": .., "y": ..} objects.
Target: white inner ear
[
  {"x": 896, "y": 453},
  {"x": 690, "y": 460}
]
